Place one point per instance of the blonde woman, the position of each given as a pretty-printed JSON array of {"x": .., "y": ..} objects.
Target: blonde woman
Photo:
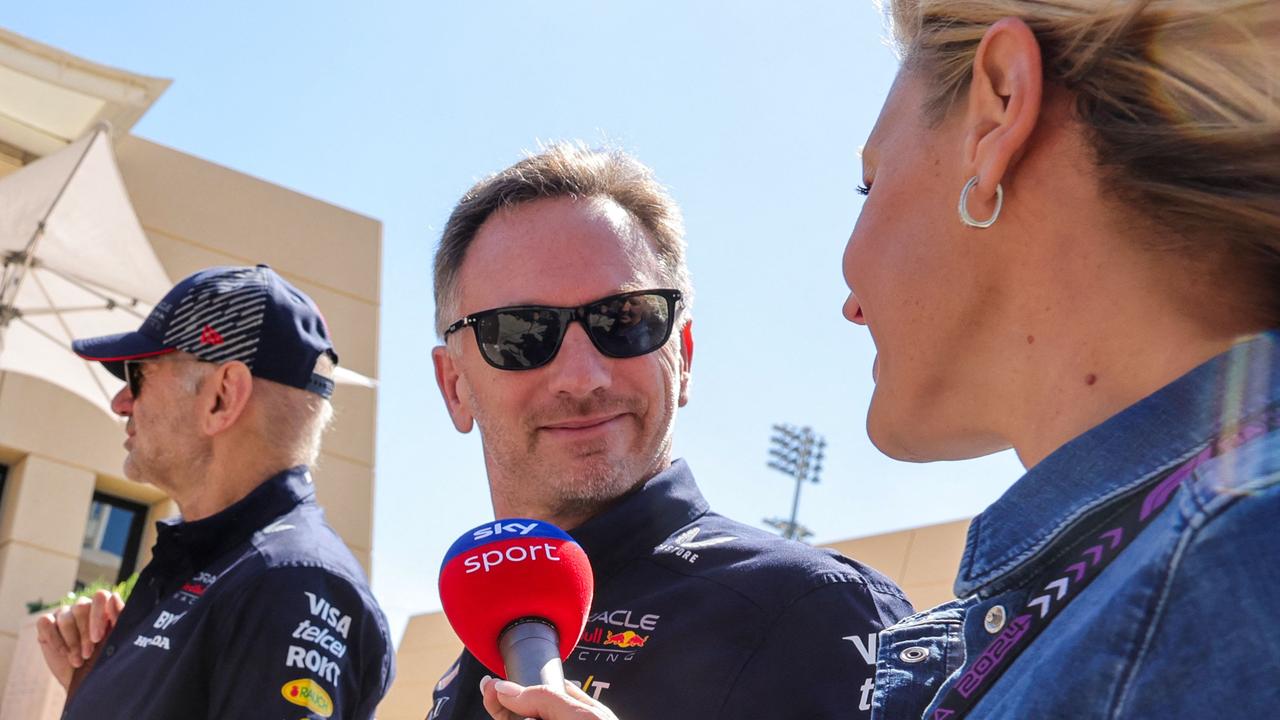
[{"x": 1071, "y": 246}]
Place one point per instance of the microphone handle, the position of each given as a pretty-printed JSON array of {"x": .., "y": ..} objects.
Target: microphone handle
[{"x": 530, "y": 650}]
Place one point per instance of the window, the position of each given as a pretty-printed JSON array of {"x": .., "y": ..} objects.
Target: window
[{"x": 111, "y": 538}]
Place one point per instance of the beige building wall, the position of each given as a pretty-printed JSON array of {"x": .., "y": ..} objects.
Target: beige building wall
[
  {"x": 60, "y": 449},
  {"x": 426, "y": 651},
  {"x": 923, "y": 561}
]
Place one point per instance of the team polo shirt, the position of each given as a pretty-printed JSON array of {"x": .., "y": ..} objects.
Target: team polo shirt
[
  {"x": 697, "y": 616},
  {"x": 259, "y": 611}
]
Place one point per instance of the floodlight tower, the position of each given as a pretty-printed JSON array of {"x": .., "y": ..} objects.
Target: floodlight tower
[{"x": 796, "y": 452}]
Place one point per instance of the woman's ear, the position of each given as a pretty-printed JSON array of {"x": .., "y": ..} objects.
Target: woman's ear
[{"x": 1005, "y": 98}]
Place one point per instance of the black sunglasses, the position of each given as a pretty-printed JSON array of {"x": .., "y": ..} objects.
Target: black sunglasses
[
  {"x": 133, "y": 375},
  {"x": 524, "y": 337}
]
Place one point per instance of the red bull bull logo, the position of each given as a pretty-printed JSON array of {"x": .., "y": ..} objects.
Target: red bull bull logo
[{"x": 625, "y": 639}]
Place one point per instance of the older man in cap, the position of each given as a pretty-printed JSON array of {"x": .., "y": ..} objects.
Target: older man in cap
[{"x": 251, "y": 606}]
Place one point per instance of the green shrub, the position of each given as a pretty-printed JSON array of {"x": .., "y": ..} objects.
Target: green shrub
[{"x": 122, "y": 589}]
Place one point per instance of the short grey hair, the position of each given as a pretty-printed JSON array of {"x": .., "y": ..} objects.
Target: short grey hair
[
  {"x": 564, "y": 170},
  {"x": 294, "y": 420}
]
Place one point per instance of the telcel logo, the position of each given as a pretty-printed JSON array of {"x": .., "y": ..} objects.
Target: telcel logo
[
  {"x": 516, "y": 553},
  {"x": 500, "y": 528},
  {"x": 308, "y": 694}
]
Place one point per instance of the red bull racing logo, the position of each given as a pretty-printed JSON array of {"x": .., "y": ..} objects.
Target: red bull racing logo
[
  {"x": 625, "y": 639},
  {"x": 600, "y": 643}
]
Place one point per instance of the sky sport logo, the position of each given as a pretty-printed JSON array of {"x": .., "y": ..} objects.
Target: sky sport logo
[
  {"x": 486, "y": 561},
  {"x": 500, "y": 528},
  {"x": 492, "y": 558}
]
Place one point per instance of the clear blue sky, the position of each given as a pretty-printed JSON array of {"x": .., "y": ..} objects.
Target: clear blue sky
[{"x": 751, "y": 112}]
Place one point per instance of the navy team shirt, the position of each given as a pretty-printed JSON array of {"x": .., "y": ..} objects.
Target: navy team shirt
[
  {"x": 697, "y": 616},
  {"x": 259, "y": 611}
]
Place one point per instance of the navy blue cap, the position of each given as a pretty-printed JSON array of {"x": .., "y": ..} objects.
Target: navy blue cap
[{"x": 250, "y": 314}]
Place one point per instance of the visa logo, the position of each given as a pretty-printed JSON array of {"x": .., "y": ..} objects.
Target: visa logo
[
  {"x": 499, "y": 528},
  {"x": 323, "y": 609}
]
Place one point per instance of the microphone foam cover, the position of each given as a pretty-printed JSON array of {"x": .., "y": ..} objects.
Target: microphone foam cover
[{"x": 509, "y": 570}]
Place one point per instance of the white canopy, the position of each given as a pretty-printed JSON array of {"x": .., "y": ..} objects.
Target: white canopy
[
  {"x": 49, "y": 97},
  {"x": 76, "y": 264}
]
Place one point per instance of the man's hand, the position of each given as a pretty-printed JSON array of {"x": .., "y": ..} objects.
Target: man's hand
[
  {"x": 69, "y": 635},
  {"x": 506, "y": 700}
]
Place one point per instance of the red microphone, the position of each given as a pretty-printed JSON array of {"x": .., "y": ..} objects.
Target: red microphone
[{"x": 517, "y": 593}]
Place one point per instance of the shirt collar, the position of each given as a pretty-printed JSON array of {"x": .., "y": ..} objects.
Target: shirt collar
[
  {"x": 665, "y": 503},
  {"x": 205, "y": 539},
  {"x": 1118, "y": 455}
]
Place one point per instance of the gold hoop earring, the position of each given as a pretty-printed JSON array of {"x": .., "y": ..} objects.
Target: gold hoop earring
[{"x": 963, "y": 207}]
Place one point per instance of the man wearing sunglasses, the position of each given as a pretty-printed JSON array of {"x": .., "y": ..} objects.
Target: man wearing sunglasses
[
  {"x": 251, "y": 606},
  {"x": 563, "y": 301}
]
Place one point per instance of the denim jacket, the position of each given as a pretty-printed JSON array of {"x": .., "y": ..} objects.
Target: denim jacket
[{"x": 1183, "y": 623}]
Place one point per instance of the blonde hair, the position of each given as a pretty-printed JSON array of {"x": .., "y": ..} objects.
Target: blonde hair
[
  {"x": 564, "y": 170},
  {"x": 1181, "y": 99}
]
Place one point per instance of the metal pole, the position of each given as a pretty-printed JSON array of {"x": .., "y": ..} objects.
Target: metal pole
[
  {"x": 796, "y": 453},
  {"x": 795, "y": 509}
]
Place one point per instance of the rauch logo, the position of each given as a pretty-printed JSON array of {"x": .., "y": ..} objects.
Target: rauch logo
[{"x": 308, "y": 694}]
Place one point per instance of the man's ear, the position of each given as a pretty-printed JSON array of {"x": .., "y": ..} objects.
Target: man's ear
[
  {"x": 686, "y": 360},
  {"x": 1005, "y": 98},
  {"x": 450, "y": 381},
  {"x": 223, "y": 396}
]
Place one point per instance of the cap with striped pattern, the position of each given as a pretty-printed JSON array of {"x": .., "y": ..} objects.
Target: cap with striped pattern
[{"x": 224, "y": 314}]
